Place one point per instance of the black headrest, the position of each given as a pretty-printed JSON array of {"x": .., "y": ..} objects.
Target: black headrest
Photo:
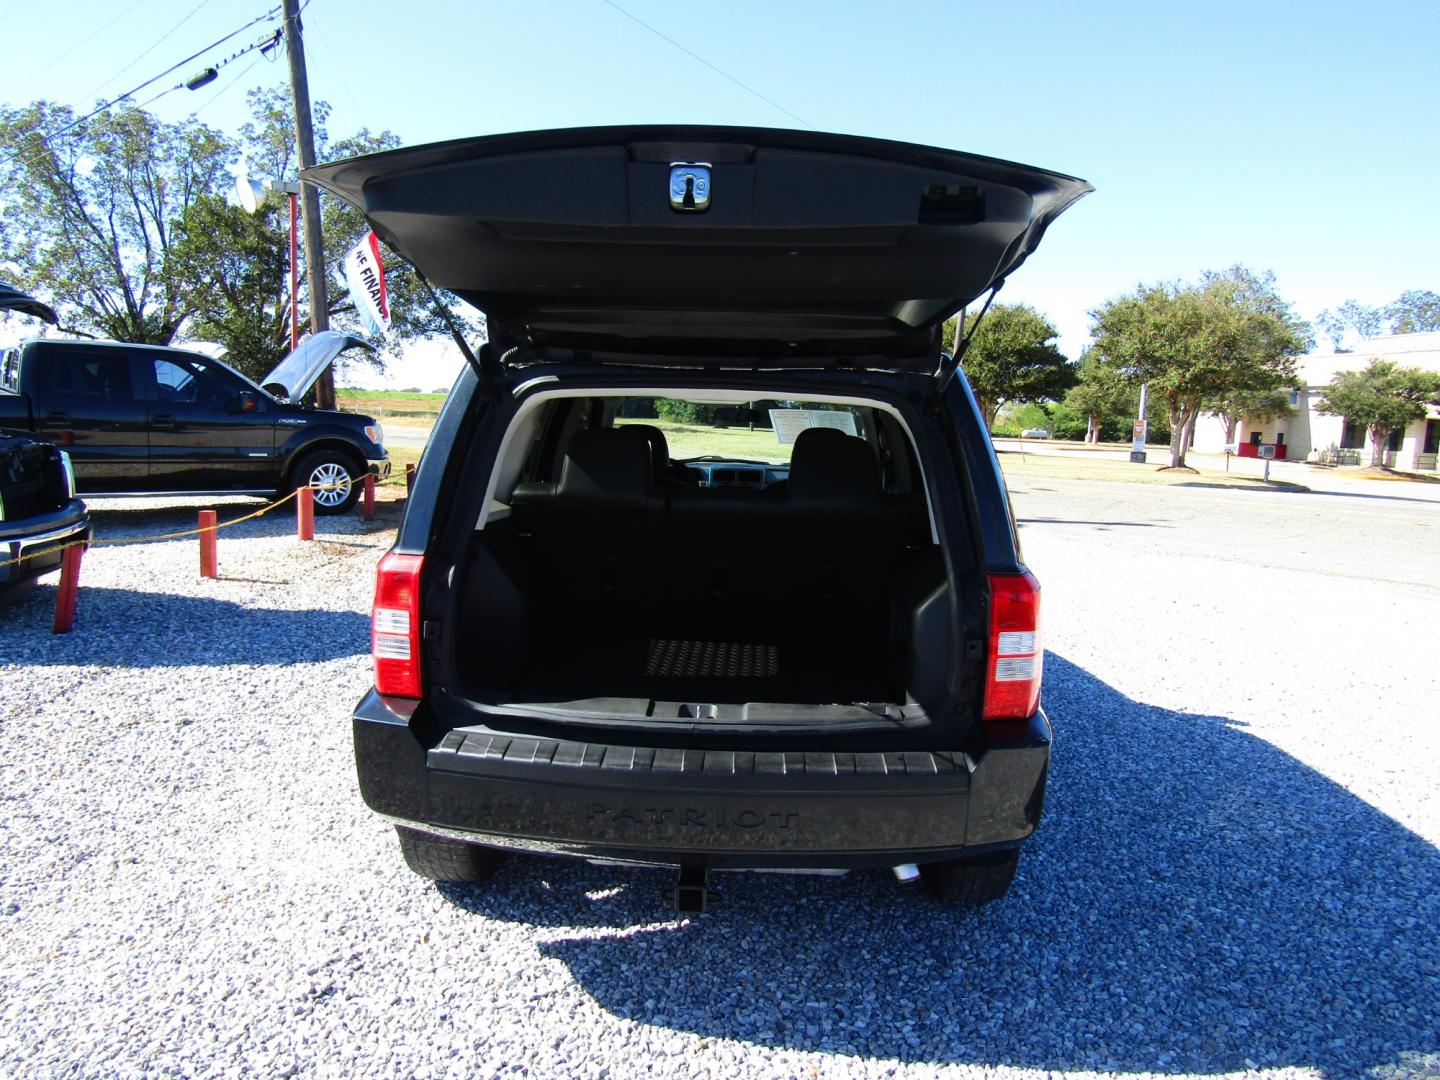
[
  {"x": 828, "y": 466},
  {"x": 607, "y": 464},
  {"x": 659, "y": 448}
]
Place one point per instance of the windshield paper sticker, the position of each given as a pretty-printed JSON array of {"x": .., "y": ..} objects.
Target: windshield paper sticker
[{"x": 789, "y": 423}]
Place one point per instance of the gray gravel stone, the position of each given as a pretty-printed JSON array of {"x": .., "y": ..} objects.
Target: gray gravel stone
[{"x": 1237, "y": 872}]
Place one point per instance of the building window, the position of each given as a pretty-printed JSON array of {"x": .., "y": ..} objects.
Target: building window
[
  {"x": 1352, "y": 437},
  {"x": 1294, "y": 397},
  {"x": 1432, "y": 437},
  {"x": 1280, "y": 439},
  {"x": 1396, "y": 438},
  {"x": 1254, "y": 438}
]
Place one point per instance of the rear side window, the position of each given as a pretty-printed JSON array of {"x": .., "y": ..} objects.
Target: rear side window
[{"x": 98, "y": 374}]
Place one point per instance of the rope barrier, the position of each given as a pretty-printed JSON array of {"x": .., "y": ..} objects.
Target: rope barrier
[{"x": 182, "y": 533}]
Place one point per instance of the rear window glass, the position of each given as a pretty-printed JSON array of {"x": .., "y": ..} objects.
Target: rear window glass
[{"x": 760, "y": 430}]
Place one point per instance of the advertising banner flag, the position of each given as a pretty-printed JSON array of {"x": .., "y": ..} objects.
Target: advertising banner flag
[{"x": 365, "y": 276}]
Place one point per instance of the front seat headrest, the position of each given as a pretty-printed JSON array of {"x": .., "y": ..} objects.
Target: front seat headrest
[{"x": 830, "y": 467}]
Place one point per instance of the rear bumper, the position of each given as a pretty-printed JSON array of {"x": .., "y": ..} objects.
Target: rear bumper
[
  {"x": 39, "y": 541},
  {"x": 717, "y": 808}
]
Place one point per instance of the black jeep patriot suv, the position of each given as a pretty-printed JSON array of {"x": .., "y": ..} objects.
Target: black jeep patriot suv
[{"x": 800, "y": 637}]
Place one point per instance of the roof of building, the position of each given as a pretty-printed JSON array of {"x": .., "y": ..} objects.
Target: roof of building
[{"x": 1410, "y": 350}]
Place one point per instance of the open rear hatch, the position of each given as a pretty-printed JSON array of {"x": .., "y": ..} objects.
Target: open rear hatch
[{"x": 778, "y": 247}]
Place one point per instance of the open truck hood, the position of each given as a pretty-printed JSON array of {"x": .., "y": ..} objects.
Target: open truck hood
[
  {"x": 298, "y": 372},
  {"x": 779, "y": 247},
  {"x": 12, "y": 299}
]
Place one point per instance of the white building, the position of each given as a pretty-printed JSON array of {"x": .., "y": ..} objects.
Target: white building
[{"x": 1313, "y": 435}]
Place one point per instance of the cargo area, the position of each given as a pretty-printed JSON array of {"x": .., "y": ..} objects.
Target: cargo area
[{"x": 621, "y": 585}]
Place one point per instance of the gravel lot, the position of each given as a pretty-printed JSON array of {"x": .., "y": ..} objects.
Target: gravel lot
[{"x": 1238, "y": 869}]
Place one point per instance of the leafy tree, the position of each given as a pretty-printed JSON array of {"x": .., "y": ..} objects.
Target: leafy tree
[
  {"x": 1256, "y": 405},
  {"x": 1230, "y": 334},
  {"x": 1412, "y": 312},
  {"x": 268, "y": 142},
  {"x": 1012, "y": 359},
  {"x": 1383, "y": 398},
  {"x": 90, "y": 212},
  {"x": 241, "y": 295},
  {"x": 1099, "y": 395}
]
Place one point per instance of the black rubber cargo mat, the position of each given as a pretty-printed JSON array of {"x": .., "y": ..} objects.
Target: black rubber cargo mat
[{"x": 667, "y": 658}]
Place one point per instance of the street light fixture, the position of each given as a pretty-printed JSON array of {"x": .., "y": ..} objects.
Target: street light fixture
[{"x": 251, "y": 194}]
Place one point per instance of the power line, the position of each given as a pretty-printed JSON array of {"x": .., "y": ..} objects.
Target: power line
[
  {"x": 271, "y": 42},
  {"x": 150, "y": 82},
  {"x": 146, "y": 52},
  {"x": 26, "y": 80},
  {"x": 696, "y": 56}
]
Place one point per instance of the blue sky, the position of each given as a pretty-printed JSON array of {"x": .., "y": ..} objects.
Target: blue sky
[{"x": 1298, "y": 138}]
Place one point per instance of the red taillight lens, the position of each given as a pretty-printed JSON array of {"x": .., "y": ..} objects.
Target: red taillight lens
[
  {"x": 1012, "y": 681},
  {"x": 395, "y": 625}
]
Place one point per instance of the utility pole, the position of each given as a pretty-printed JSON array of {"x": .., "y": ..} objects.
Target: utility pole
[{"x": 309, "y": 197}]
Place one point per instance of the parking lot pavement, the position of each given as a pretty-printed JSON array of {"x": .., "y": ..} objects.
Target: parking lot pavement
[{"x": 1237, "y": 870}]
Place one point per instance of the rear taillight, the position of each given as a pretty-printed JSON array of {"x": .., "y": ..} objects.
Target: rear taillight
[
  {"x": 1012, "y": 681},
  {"x": 395, "y": 625}
]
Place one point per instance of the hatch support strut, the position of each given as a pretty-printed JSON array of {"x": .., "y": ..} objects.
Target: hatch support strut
[
  {"x": 950, "y": 364},
  {"x": 485, "y": 370}
]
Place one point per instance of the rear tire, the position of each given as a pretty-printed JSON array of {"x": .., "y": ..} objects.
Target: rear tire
[
  {"x": 971, "y": 882},
  {"x": 332, "y": 476},
  {"x": 439, "y": 859}
]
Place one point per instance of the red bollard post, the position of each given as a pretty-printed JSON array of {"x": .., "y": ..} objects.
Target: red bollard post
[
  {"x": 209, "y": 563},
  {"x": 305, "y": 513},
  {"x": 367, "y": 505},
  {"x": 69, "y": 589},
  {"x": 409, "y": 478}
]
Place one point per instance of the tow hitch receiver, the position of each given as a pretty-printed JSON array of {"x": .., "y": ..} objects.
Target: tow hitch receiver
[{"x": 691, "y": 895}]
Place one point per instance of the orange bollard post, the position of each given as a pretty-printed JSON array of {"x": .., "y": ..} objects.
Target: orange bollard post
[
  {"x": 367, "y": 504},
  {"x": 209, "y": 564},
  {"x": 305, "y": 513},
  {"x": 409, "y": 477},
  {"x": 69, "y": 589}
]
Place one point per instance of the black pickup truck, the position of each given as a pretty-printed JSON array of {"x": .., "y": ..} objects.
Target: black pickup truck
[
  {"x": 150, "y": 420},
  {"x": 39, "y": 513}
]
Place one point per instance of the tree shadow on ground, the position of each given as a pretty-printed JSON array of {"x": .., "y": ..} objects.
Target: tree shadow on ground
[
  {"x": 1195, "y": 901},
  {"x": 166, "y": 630}
]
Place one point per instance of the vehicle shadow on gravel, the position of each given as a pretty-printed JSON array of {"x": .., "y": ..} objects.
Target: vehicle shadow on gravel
[
  {"x": 1196, "y": 901},
  {"x": 166, "y": 630}
]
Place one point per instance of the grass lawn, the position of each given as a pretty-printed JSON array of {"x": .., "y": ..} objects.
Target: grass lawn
[
  {"x": 390, "y": 403},
  {"x": 1020, "y": 465},
  {"x": 737, "y": 443}
]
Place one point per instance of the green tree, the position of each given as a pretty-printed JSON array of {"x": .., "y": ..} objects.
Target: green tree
[
  {"x": 1100, "y": 393},
  {"x": 1383, "y": 398},
  {"x": 1013, "y": 359},
  {"x": 1255, "y": 405},
  {"x": 268, "y": 143},
  {"x": 89, "y": 213},
  {"x": 238, "y": 263},
  {"x": 1231, "y": 333},
  {"x": 1412, "y": 312}
]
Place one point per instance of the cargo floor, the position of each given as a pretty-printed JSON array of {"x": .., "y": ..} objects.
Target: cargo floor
[{"x": 712, "y": 672}]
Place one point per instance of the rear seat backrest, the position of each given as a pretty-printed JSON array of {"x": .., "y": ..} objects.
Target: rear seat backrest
[{"x": 597, "y": 532}]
